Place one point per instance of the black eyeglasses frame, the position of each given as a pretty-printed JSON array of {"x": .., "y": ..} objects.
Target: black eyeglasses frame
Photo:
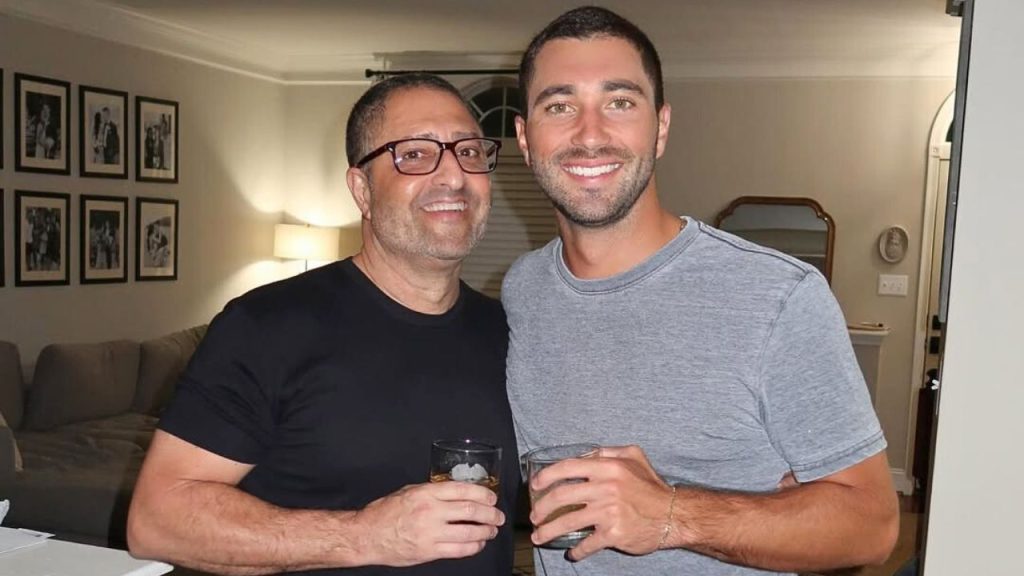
[{"x": 390, "y": 147}]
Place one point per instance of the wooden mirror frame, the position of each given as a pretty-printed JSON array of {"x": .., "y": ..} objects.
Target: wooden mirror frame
[{"x": 789, "y": 201}]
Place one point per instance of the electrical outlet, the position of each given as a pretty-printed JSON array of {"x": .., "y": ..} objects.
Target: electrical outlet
[{"x": 892, "y": 284}]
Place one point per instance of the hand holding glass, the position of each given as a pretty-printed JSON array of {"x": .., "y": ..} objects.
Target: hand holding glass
[
  {"x": 466, "y": 461},
  {"x": 537, "y": 460}
]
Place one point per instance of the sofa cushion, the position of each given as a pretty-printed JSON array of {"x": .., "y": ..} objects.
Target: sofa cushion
[
  {"x": 78, "y": 478},
  {"x": 11, "y": 385},
  {"x": 76, "y": 382},
  {"x": 10, "y": 456},
  {"x": 11, "y": 401},
  {"x": 161, "y": 362}
]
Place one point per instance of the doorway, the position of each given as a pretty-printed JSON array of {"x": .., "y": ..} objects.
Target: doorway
[{"x": 928, "y": 330}]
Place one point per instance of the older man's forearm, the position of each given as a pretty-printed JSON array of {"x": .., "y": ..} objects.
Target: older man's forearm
[{"x": 215, "y": 527}]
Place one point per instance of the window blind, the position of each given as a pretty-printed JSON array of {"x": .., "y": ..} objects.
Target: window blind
[{"x": 522, "y": 219}]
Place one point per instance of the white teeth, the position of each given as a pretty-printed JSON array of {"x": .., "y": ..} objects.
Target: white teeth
[
  {"x": 591, "y": 171},
  {"x": 444, "y": 206}
]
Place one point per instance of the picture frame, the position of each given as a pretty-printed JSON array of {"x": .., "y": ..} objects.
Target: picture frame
[
  {"x": 893, "y": 243},
  {"x": 42, "y": 133},
  {"x": 2, "y": 133},
  {"x": 42, "y": 238},
  {"x": 156, "y": 239},
  {"x": 102, "y": 132},
  {"x": 3, "y": 236},
  {"x": 103, "y": 249},
  {"x": 156, "y": 140}
]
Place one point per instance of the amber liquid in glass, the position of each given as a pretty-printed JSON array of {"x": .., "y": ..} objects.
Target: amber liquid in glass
[
  {"x": 566, "y": 540},
  {"x": 491, "y": 482}
]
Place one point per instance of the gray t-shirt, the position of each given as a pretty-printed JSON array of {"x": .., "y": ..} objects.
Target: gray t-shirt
[{"x": 727, "y": 362}]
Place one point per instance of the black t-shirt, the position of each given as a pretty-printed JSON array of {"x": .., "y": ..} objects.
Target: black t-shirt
[{"x": 335, "y": 392}]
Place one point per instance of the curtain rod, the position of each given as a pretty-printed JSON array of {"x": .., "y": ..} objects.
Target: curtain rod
[{"x": 513, "y": 71}]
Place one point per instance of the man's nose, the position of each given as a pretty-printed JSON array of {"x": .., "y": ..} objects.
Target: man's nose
[
  {"x": 590, "y": 130},
  {"x": 449, "y": 172}
]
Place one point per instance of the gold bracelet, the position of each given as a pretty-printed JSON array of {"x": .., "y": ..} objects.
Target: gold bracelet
[{"x": 668, "y": 522}]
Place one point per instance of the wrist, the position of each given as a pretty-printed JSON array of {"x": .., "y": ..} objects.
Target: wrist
[
  {"x": 684, "y": 531},
  {"x": 668, "y": 527},
  {"x": 356, "y": 547}
]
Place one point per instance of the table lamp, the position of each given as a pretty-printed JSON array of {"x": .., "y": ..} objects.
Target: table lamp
[{"x": 305, "y": 242}]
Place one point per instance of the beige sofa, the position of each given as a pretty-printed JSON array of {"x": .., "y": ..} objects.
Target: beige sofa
[{"x": 72, "y": 441}]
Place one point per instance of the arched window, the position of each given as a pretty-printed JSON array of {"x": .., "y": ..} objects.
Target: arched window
[
  {"x": 522, "y": 218},
  {"x": 495, "y": 101}
]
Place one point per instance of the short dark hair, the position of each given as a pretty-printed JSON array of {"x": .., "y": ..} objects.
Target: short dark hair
[
  {"x": 367, "y": 114},
  {"x": 592, "y": 22}
]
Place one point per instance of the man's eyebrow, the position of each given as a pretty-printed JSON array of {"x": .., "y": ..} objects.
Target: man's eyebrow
[
  {"x": 430, "y": 135},
  {"x": 556, "y": 90},
  {"x": 458, "y": 135},
  {"x": 607, "y": 86},
  {"x": 623, "y": 85}
]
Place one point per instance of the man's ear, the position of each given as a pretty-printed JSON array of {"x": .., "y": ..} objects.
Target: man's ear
[
  {"x": 359, "y": 185},
  {"x": 521, "y": 138},
  {"x": 664, "y": 119}
]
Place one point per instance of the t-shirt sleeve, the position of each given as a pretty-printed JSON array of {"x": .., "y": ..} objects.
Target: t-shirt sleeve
[
  {"x": 224, "y": 400},
  {"x": 816, "y": 406},
  {"x": 510, "y": 300}
]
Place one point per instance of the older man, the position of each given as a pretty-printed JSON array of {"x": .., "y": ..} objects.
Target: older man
[
  {"x": 299, "y": 436},
  {"x": 724, "y": 366}
]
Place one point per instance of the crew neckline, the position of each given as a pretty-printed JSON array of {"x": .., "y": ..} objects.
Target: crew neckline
[
  {"x": 396, "y": 309},
  {"x": 634, "y": 275}
]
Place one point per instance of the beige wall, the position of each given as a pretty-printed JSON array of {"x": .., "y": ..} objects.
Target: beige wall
[
  {"x": 315, "y": 161},
  {"x": 314, "y": 156},
  {"x": 230, "y": 190},
  {"x": 857, "y": 146},
  {"x": 251, "y": 149}
]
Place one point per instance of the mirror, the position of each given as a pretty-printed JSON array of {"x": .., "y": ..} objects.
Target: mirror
[{"x": 796, "y": 226}]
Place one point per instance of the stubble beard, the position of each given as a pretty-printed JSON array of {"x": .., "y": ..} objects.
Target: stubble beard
[
  {"x": 585, "y": 206},
  {"x": 402, "y": 233}
]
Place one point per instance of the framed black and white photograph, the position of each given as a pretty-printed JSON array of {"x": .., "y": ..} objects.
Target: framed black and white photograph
[
  {"x": 42, "y": 138},
  {"x": 3, "y": 234},
  {"x": 156, "y": 140},
  {"x": 156, "y": 239},
  {"x": 103, "y": 221},
  {"x": 102, "y": 132},
  {"x": 42, "y": 238},
  {"x": 2, "y": 133}
]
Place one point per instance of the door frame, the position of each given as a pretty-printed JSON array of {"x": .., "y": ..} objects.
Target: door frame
[{"x": 938, "y": 150}]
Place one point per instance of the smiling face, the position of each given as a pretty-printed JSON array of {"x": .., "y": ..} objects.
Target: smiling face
[
  {"x": 593, "y": 132},
  {"x": 440, "y": 215}
]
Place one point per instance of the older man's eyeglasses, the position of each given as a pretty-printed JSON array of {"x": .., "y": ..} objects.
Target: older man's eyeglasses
[{"x": 419, "y": 156}]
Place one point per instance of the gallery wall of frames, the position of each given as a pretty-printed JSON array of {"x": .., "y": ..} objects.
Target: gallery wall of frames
[{"x": 42, "y": 222}]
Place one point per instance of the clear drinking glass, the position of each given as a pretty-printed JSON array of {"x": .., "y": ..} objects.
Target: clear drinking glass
[
  {"x": 540, "y": 458},
  {"x": 466, "y": 460}
]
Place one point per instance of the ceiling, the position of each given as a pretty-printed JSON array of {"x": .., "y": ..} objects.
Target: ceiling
[{"x": 336, "y": 40}]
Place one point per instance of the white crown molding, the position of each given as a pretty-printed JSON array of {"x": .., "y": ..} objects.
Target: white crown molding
[
  {"x": 427, "y": 60},
  {"x": 936, "y": 64},
  {"x": 112, "y": 22},
  {"x": 117, "y": 24}
]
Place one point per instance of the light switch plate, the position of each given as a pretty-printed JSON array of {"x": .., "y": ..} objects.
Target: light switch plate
[{"x": 892, "y": 284}]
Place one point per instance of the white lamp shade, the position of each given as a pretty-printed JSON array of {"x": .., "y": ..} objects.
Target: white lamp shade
[{"x": 301, "y": 242}]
